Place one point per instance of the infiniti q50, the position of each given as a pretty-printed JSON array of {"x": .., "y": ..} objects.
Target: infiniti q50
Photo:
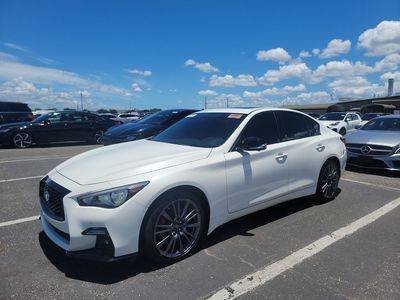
[{"x": 161, "y": 196}]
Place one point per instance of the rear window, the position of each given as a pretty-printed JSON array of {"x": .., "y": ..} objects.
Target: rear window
[{"x": 14, "y": 107}]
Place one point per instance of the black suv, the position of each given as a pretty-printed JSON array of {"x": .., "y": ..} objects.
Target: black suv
[
  {"x": 11, "y": 112},
  {"x": 56, "y": 127}
]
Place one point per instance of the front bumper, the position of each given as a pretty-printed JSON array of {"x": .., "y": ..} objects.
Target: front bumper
[
  {"x": 378, "y": 162},
  {"x": 121, "y": 224}
]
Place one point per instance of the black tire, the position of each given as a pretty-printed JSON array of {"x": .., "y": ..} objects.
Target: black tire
[
  {"x": 22, "y": 140},
  {"x": 328, "y": 181},
  {"x": 342, "y": 131},
  {"x": 181, "y": 240}
]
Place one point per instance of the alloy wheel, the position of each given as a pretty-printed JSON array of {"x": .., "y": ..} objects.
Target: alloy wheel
[
  {"x": 22, "y": 140},
  {"x": 98, "y": 137},
  {"x": 330, "y": 181},
  {"x": 177, "y": 228}
]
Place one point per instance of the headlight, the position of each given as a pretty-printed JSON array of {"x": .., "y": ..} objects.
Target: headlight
[
  {"x": 334, "y": 124},
  {"x": 111, "y": 198}
]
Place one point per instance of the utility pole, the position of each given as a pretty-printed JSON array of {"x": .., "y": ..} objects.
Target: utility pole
[
  {"x": 205, "y": 102},
  {"x": 81, "y": 101},
  {"x": 227, "y": 102}
]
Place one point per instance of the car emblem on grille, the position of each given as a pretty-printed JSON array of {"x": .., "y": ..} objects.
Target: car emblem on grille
[
  {"x": 365, "y": 149},
  {"x": 46, "y": 196}
]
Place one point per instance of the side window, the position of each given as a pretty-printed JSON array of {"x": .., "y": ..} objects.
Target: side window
[
  {"x": 292, "y": 125},
  {"x": 262, "y": 125},
  {"x": 54, "y": 118},
  {"x": 313, "y": 126}
]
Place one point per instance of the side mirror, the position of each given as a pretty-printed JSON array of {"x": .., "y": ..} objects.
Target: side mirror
[
  {"x": 253, "y": 144},
  {"x": 347, "y": 119}
]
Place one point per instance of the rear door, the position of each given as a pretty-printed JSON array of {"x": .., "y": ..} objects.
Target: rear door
[
  {"x": 254, "y": 177},
  {"x": 301, "y": 143}
]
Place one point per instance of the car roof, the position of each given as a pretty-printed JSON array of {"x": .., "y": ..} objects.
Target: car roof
[
  {"x": 388, "y": 117},
  {"x": 236, "y": 110}
]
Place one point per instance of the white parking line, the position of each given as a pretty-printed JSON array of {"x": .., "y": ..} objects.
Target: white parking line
[
  {"x": 22, "y": 178},
  {"x": 32, "y": 159},
  {"x": 371, "y": 184},
  {"x": 8, "y": 223},
  {"x": 258, "y": 278}
]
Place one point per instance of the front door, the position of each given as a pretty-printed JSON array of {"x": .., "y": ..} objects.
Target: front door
[{"x": 254, "y": 177}]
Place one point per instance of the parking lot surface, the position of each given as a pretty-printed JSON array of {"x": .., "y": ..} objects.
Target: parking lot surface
[{"x": 362, "y": 264}]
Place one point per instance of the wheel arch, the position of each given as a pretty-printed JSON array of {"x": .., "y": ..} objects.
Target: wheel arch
[{"x": 185, "y": 187}]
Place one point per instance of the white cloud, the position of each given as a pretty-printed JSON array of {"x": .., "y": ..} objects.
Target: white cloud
[
  {"x": 139, "y": 72},
  {"x": 203, "y": 67},
  {"x": 394, "y": 75},
  {"x": 336, "y": 47},
  {"x": 315, "y": 51},
  {"x": 340, "y": 68},
  {"x": 10, "y": 70},
  {"x": 223, "y": 100},
  {"x": 231, "y": 81},
  {"x": 275, "y": 91},
  {"x": 278, "y": 54},
  {"x": 355, "y": 87},
  {"x": 209, "y": 93},
  {"x": 304, "y": 54},
  {"x": 308, "y": 98},
  {"x": 16, "y": 47},
  {"x": 7, "y": 56},
  {"x": 382, "y": 40},
  {"x": 388, "y": 63},
  {"x": 298, "y": 70},
  {"x": 136, "y": 87},
  {"x": 21, "y": 90}
]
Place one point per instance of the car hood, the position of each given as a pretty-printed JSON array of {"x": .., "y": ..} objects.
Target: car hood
[
  {"x": 126, "y": 160},
  {"x": 377, "y": 137},
  {"x": 327, "y": 123},
  {"x": 131, "y": 128},
  {"x": 11, "y": 125}
]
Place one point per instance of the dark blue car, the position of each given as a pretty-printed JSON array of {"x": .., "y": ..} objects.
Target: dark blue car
[{"x": 146, "y": 127}]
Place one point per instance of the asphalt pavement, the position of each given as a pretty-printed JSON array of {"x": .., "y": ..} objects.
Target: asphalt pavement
[{"x": 362, "y": 264}]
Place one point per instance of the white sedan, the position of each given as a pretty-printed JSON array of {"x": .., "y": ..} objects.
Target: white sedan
[{"x": 161, "y": 196}]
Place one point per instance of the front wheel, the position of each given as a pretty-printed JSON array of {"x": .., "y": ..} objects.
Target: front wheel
[
  {"x": 174, "y": 228},
  {"x": 22, "y": 140},
  {"x": 342, "y": 131},
  {"x": 98, "y": 137},
  {"x": 328, "y": 181}
]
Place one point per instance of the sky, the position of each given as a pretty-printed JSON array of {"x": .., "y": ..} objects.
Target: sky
[{"x": 173, "y": 54}]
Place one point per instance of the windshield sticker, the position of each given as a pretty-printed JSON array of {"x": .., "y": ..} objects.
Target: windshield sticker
[{"x": 235, "y": 116}]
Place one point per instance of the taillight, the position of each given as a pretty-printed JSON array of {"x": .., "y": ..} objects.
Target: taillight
[{"x": 343, "y": 139}]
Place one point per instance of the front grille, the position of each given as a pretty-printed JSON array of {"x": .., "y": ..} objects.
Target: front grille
[
  {"x": 377, "y": 150},
  {"x": 54, "y": 206},
  {"x": 368, "y": 163}
]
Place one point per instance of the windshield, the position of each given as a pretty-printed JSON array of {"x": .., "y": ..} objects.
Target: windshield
[
  {"x": 368, "y": 117},
  {"x": 201, "y": 130},
  {"x": 384, "y": 124},
  {"x": 333, "y": 117},
  {"x": 159, "y": 118}
]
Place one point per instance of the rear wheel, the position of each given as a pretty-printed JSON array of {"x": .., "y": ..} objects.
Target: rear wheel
[
  {"x": 342, "y": 131},
  {"x": 328, "y": 181},
  {"x": 174, "y": 228},
  {"x": 22, "y": 140}
]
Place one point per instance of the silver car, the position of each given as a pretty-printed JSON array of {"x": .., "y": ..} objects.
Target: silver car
[{"x": 375, "y": 145}]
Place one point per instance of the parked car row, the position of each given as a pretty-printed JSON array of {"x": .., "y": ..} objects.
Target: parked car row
[{"x": 56, "y": 127}]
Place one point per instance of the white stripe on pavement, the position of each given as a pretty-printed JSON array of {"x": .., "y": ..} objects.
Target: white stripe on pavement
[
  {"x": 8, "y": 223},
  {"x": 32, "y": 159},
  {"x": 371, "y": 184},
  {"x": 22, "y": 178},
  {"x": 258, "y": 278}
]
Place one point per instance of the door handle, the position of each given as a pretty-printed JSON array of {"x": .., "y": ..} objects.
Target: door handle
[
  {"x": 320, "y": 147},
  {"x": 281, "y": 157}
]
